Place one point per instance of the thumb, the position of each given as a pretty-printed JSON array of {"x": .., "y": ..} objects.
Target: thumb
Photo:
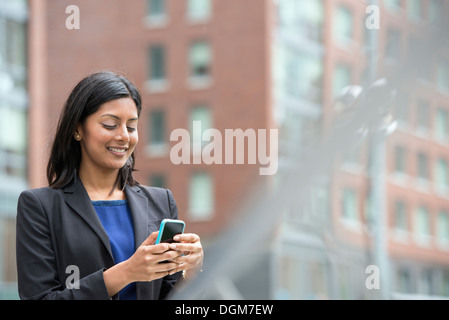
[{"x": 151, "y": 239}]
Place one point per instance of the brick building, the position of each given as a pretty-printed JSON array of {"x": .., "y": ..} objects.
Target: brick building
[{"x": 192, "y": 61}]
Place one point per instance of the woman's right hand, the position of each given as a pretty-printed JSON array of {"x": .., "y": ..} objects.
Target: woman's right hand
[{"x": 143, "y": 265}]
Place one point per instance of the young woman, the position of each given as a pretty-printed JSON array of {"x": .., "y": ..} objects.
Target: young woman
[{"x": 90, "y": 234}]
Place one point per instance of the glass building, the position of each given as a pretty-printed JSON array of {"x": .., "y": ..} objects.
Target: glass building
[{"x": 13, "y": 137}]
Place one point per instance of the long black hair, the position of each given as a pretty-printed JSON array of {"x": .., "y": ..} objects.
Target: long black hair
[{"x": 85, "y": 99}]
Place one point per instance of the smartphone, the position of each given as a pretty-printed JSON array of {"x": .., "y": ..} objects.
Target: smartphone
[{"x": 169, "y": 228}]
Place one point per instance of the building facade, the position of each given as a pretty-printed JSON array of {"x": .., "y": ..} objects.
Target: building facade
[
  {"x": 341, "y": 229},
  {"x": 13, "y": 141},
  {"x": 192, "y": 61},
  {"x": 253, "y": 64}
]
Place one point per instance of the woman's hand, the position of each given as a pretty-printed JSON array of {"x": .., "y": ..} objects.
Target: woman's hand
[
  {"x": 143, "y": 265},
  {"x": 190, "y": 257}
]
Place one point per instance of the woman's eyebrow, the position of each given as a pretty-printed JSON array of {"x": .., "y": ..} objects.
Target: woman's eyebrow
[{"x": 116, "y": 117}]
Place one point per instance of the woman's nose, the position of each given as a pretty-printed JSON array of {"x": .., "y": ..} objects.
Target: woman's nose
[{"x": 123, "y": 134}]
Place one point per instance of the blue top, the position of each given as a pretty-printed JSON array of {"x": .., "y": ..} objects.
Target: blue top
[{"x": 116, "y": 218}]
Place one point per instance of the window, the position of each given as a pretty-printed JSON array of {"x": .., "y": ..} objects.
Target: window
[
  {"x": 200, "y": 63},
  {"x": 13, "y": 141},
  {"x": 302, "y": 75},
  {"x": 424, "y": 67},
  {"x": 287, "y": 13},
  {"x": 393, "y": 5},
  {"x": 8, "y": 236},
  {"x": 157, "y": 144},
  {"x": 445, "y": 283},
  {"x": 343, "y": 26},
  {"x": 290, "y": 271},
  {"x": 423, "y": 166},
  {"x": 393, "y": 47},
  {"x": 402, "y": 108},
  {"x": 201, "y": 197},
  {"x": 400, "y": 160},
  {"x": 435, "y": 10},
  {"x": 16, "y": 42},
  {"x": 13, "y": 130},
  {"x": 156, "y": 7},
  {"x": 404, "y": 280},
  {"x": 400, "y": 216},
  {"x": 311, "y": 16},
  {"x": 425, "y": 282},
  {"x": 342, "y": 78},
  {"x": 157, "y": 127},
  {"x": 422, "y": 116},
  {"x": 304, "y": 18},
  {"x": 13, "y": 59},
  {"x": 350, "y": 204},
  {"x": 441, "y": 125},
  {"x": 156, "y": 13},
  {"x": 157, "y": 68},
  {"x": 414, "y": 9},
  {"x": 200, "y": 120},
  {"x": 442, "y": 176},
  {"x": 157, "y": 63},
  {"x": 443, "y": 226},
  {"x": 422, "y": 221},
  {"x": 199, "y": 10},
  {"x": 443, "y": 75},
  {"x": 158, "y": 180}
]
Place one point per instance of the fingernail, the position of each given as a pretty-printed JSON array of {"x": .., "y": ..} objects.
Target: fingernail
[
  {"x": 172, "y": 246},
  {"x": 176, "y": 238}
]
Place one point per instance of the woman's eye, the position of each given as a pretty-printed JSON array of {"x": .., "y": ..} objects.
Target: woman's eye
[
  {"x": 109, "y": 127},
  {"x": 112, "y": 127}
]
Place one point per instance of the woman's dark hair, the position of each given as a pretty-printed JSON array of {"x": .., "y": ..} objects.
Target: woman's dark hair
[{"x": 85, "y": 99}]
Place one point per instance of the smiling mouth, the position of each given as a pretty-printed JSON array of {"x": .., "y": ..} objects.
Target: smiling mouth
[{"x": 118, "y": 150}]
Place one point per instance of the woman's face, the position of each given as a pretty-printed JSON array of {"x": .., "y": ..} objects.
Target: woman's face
[{"x": 108, "y": 137}]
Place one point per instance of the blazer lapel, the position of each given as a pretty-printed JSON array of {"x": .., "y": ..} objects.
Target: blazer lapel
[
  {"x": 138, "y": 205},
  {"x": 77, "y": 198}
]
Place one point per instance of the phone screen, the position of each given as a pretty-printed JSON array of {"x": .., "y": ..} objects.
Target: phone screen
[{"x": 170, "y": 230}]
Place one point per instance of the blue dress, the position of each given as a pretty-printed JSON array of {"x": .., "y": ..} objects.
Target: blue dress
[{"x": 116, "y": 218}]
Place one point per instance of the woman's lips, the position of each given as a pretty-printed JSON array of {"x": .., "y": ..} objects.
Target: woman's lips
[{"x": 118, "y": 151}]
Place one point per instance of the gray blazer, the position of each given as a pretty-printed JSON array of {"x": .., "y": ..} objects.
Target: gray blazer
[{"x": 59, "y": 228}]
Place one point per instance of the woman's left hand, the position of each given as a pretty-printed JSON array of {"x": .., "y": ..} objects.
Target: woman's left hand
[{"x": 191, "y": 254}]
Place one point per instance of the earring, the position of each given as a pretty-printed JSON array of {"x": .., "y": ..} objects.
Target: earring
[{"x": 77, "y": 137}]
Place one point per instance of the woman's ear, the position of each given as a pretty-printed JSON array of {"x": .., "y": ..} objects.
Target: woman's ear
[{"x": 77, "y": 134}]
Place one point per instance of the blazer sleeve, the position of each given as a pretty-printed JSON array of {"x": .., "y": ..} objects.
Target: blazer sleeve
[{"x": 36, "y": 263}]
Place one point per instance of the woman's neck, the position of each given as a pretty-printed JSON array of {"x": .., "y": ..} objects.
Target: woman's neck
[{"x": 101, "y": 185}]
